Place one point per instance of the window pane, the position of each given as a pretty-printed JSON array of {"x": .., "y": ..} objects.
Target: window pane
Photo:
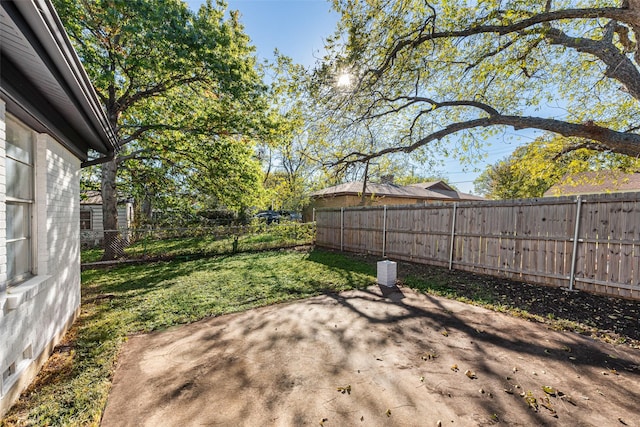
[
  {"x": 17, "y": 220},
  {"x": 85, "y": 220},
  {"x": 19, "y": 142},
  {"x": 18, "y": 259},
  {"x": 19, "y": 180}
]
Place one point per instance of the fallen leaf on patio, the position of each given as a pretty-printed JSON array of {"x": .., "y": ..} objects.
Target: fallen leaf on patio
[
  {"x": 344, "y": 390},
  {"x": 531, "y": 401},
  {"x": 515, "y": 369},
  {"x": 567, "y": 348},
  {"x": 545, "y": 402},
  {"x": 470, "y": 374},
  {"x": 421, "y": 379},
  {"x": 322, "y": 421},
  {"x": 508, "y": 391},
  {"x": 388, "y": 412},
  {"x": 429, "y": 356},
  {"x": 454, "y": 368},
  {"x": 549, "y": 390},
  {"x": 362, "y": 418},
  {"x": 622, "y": 422},
  {"x": 445, "y": 333}
]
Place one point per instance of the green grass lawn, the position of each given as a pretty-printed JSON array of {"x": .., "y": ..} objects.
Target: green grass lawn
[
  {"x": 72, "y": 388},
  {"x": 212, "y": 242}
]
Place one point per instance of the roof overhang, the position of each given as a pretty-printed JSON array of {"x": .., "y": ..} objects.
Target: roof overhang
[{"x": 43, "y": 82}]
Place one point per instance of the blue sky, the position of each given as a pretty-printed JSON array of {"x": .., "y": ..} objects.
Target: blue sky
[{"x": 297, "y": 28}]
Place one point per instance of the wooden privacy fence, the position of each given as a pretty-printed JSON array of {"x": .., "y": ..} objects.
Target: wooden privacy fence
[{"x": 590, "y": 243}]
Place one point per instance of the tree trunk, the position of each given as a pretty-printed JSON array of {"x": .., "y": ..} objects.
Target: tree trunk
[
  {"x": 363, "y": 201},
  {"x": 113, "y": 248},
  {"x": 147, "y": 209}
]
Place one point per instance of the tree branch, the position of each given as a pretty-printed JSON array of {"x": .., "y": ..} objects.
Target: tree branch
[
  {"x": 125, "y": 102},
  {"x": 608, "y": 139},
  {"x": 411, "y": 100},
  {"x": 132, "y": 155},
  {"x": 584, "y": 145},
  {"x": 619, "y": 66},
  {"x": 618, "y": 14},
  {"x": 139, "y": 131}
]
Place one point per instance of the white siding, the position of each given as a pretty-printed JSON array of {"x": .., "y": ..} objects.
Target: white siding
[
  {"x": 35, "y": 314},
  {"x": 125, "y": 216},
  {"x": 3, "y": 212}
]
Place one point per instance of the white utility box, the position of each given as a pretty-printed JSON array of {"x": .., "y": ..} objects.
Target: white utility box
[{"x": 387, "y": 273}]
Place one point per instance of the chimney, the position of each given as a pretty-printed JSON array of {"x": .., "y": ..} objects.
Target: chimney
[{"x": 386, "y": 179}]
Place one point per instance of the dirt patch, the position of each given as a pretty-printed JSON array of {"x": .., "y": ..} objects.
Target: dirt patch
[
  {"x": 609, "y": 319},
  {"x": 373, "y": 357}
]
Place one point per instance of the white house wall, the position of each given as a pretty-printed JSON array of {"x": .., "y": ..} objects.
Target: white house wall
[{"x": 35, "y": 314}]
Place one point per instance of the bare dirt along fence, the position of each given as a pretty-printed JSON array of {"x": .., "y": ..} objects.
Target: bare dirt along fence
[{"x": 589, "y": 243}]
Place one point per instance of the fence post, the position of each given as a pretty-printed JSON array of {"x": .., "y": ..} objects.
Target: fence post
[
  {"x": 313, "y": 215},
  {"x": 341, "y": 229},
  {"x": 453, "y": 234},
  {"x": 384, "y": 231},
  {"x": 574, "y": 255},
  {"x": 144, "y": 243}
]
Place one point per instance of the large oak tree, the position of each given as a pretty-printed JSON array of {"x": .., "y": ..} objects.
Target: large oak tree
[
  {"x": 434, "y": 70},
  {"x": 160, "y": 68}
]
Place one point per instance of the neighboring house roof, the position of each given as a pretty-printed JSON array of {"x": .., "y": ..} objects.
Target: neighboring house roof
[
  {"x": 43, "y": 82},
  {"x": 94, "y": 197},
  {"x": 90, "y": 197},
  {"x": 595, "y": 183},
  {"x": 427, "y": 191},
  {"x": 443, "y": 188},
  {"x": 433, "y": 185}
]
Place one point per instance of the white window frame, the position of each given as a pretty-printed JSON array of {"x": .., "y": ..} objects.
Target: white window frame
[
  {"x": 90, "y": 219},
  {"x": 29, "y": 203}
]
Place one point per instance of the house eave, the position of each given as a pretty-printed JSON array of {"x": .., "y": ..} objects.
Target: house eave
[{"x": 43, "y": 81}]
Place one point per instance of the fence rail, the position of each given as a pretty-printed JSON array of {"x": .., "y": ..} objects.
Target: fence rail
[{"x": 590, "y": 243}]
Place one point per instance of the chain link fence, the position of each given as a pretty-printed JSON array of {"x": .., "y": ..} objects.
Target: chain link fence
[{"x": 192, "y": 241}]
